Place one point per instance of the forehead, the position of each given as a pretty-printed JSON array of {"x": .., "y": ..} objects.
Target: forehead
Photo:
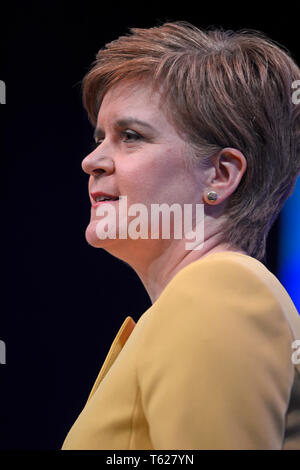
[{"x": 130, "y": 98}]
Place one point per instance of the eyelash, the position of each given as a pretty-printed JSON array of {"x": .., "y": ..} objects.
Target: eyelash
[{"x": 131, "y": 134}]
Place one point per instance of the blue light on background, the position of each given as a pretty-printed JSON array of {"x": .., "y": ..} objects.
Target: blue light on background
[{"x": 289, "y": 246}]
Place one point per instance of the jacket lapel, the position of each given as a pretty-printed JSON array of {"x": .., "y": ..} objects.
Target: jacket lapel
[{"x": 115, "y": 349}]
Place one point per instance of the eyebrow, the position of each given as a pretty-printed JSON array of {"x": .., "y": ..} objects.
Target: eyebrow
[{"x": 127, "y": 121}]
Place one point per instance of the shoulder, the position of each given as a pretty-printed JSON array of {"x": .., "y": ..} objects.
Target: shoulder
[
  {"x": 229, "y": 272},
  {"x": 218, "y": 297},
  {"x": 215, "y": 354}
]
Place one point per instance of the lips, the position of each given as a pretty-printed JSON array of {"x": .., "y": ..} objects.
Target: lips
[
  {"x": 111, "y": 201},
  {"x": 97, "y": 194}
]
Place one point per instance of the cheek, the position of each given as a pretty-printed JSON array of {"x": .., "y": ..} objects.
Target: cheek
[
  {"x": 145, "y": 185},
  {"x": 153, "y": 177},
  {"x": 139, "y": 179}
]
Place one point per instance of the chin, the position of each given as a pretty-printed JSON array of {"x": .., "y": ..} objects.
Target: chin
[{"x": 94, "y": 240}]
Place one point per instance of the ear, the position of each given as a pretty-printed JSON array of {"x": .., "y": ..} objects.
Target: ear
[{"x": 229, "y": 166}]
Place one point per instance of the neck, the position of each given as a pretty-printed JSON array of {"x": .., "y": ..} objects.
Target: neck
[
  {"x": 161, "y": 271},
  {"x": 156, "y": 267}
]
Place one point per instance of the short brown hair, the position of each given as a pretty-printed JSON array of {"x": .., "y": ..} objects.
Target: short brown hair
[{"x": 222, "y": 89}]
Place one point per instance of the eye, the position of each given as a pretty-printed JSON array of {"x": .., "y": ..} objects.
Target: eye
[
  {"x": 127, "y": 136},
  {"x": 130, "y": 136}
]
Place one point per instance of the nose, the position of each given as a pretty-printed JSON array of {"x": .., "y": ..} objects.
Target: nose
[{"x": 95, "y": 164}]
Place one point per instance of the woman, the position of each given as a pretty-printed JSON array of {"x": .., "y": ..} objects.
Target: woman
[{"x": 185, "y": 116}]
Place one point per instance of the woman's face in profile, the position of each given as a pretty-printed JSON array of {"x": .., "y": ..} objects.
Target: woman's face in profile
[{"x": 139, "y": 155}]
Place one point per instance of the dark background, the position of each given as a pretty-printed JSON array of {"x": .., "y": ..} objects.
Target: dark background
[{"x": 63, "y": 301}]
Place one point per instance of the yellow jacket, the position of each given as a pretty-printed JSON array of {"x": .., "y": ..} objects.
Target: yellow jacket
[{"x": 208, "y": 366}]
